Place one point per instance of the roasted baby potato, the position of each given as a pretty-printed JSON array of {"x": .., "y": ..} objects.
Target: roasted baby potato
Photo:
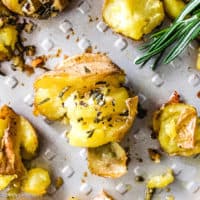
[
  {"x": 19, "y": 142},
  {"x": 174, "y": 7},
  {"x": 87, "y": 90},
  {"x": 133, "y": 18},
  {"x": 36, "y": 8},
  {"x": 36, "y": 182},
  {"x": 108, "y": 160},
  {"x": 178, "y": 128}
]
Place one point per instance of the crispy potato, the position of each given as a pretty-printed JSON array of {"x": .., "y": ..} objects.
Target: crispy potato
[
  {"x": 174, "y": 7},
  {"x": 133, "y": 18},
  {"x": 177, "y": 126},
  {"x": 36, "y": 8},
  {"x": 161, "y": 181},
  {"x": 36, "y": 182},
  {"x": 18, "y": 140},
  {"x": 108, "y": 160},
  {"x": 98, "y": 108}
]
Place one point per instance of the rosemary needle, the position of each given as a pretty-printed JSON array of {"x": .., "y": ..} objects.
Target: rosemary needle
[{"x": 177, "y": 36}]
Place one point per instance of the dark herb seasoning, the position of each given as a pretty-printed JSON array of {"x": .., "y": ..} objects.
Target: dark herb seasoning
[
  {"x": 43, "y": 101},
  {"x": 82, "y": 103},
  {"x": 80, "y": 119},
  {"x": 64, "y": 90},
  {"x": 113, "y": 102},
  {"x": 139, "y": 179},
  {"x": 101, "y": 83},
  {"x": 124, "y": 114},
  {"x": 90, "y": 133},
  {"x": 109, "y": 119},
  {"x": 87, "y": 70}
]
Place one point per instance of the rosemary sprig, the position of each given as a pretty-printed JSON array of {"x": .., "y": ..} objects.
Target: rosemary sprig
[{"x": 182, "y": 31}]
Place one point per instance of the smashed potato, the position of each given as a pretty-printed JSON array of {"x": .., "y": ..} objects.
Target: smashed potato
[
  {"x": 18, "y": 142},
  {"x": 36, "y": 182},
  {"x": 87, "y": 91},
  {"x": 133, "y": 18},
  {"x": 178, "y": 128},
  {"x": 36, "y": 8},
  {"x": 161, "y": 181},
  {"x": 108, "y": 160},
  {"x": 174, "y": 7}
]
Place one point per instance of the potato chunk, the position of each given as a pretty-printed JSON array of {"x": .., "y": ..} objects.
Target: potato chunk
[
  {"x": 108, "y": 160},
  {"x": 87, "y": 91},
  {"x": 18, "y": 141},
  {"x": 36, "y": 8},
  {"x": 177, "y": 126},
  {"x": 8, "y": 40},
  {"x": 133, "y": 18},
  {"x": 174, "y": 7},
  {"x": 36, "y": 182}
]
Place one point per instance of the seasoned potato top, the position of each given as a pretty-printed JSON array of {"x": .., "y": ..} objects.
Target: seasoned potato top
[{"x": 87, "y": 91}]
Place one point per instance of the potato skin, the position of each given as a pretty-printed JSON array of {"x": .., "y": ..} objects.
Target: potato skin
[
  {"x": 133, "y": 18},
  {"x": 108, "y": 160}
]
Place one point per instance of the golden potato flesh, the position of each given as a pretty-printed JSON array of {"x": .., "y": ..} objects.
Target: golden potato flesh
[
  {"x": 133, "y": 18},
  {"x": 177, "y": 126},
  {"x": 108, "y": 160},
  {"x": 36, "y": 182},
  {"x": 88, "y": 91},
  {"x": 8, "y": 40},
  {"x": 174, "y": 7},
  {"x": 161, "y": 181},
  {"x": 198, "y": 60},
  {"x": 18, "y": 140},
  {"x": 36, "y": 8}
]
